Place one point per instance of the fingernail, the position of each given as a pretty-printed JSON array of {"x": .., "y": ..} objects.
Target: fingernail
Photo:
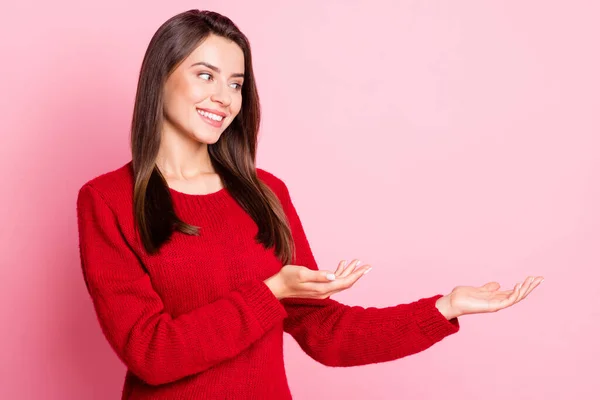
[
  {"x": 367, "y": 271},
  {"x": 358, "y": 263},
  {"x": 331, "y": 277}
]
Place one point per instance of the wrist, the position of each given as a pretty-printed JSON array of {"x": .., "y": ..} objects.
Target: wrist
[
  {"x": 273, "y": 283},
  {"x": 444, "y": 306}
]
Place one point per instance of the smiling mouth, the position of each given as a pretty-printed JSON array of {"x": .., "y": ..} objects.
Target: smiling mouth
[{"x": 209, "y": 115}]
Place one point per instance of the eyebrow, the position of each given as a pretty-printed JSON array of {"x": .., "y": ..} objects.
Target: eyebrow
[{"x": 216, "y": 69}]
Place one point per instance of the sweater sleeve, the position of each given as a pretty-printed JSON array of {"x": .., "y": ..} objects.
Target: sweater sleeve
[
  {"x": 335, "y": 334},
  {"x": 153, "y": 345}
]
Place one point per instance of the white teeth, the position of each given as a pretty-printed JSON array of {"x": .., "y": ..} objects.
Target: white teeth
[{"x": 212, "y": 116}]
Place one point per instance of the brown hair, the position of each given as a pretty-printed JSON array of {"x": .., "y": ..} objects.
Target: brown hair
[{"x": 233, "y": 155}]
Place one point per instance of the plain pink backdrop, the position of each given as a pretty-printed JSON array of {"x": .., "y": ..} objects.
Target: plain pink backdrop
[{"x": 445, "y": 143}]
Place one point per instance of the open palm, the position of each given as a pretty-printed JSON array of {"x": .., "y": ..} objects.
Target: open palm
[{"x": 484, "y": 299}]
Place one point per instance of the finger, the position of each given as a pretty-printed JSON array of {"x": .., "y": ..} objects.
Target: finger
[
  {"x": 340, "y": 268},
  {"x": 510, "y": 300},
  {"x": 524, "y": 288},
  {"x": 535, "y": 283},
  {"x": 350, "y": 268},
  {"x": 357, "y": 274},
  {"x": 343, "y": 283}
]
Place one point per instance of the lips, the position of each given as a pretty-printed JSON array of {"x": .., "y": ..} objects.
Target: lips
[
  {"x": 211, "y": 117},
  {"x": 211, "y": 111}
]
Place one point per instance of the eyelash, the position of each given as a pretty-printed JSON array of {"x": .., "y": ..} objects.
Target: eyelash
[{"x": 239, "y": 86}]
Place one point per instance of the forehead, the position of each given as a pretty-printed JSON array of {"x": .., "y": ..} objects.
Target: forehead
[{"x": 220, "y": 52}]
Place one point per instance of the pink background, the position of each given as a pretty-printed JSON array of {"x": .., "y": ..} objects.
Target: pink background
[{"x": 445, "y": 144}]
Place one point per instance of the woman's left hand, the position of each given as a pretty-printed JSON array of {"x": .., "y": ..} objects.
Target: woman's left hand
[{"x": 484, "y": 299}]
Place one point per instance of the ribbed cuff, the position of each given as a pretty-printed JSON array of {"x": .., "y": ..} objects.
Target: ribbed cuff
[
  {"x": 431, "y": 321},
  {"x": 266, "y": 307}
]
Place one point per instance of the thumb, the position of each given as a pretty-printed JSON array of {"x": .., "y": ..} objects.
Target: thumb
[
  {"x": 491, "y": 286},
  {"x": 324, "y": 276}
]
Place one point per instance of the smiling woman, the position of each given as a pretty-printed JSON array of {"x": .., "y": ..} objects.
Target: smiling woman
[
  {"x": 196, "y": 74},
  {"x": 196, "y": 260}
]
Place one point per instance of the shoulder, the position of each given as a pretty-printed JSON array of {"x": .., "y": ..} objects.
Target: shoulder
[
  {"x": 274, "y": 182},
  {"x": 114, "y": 187}
]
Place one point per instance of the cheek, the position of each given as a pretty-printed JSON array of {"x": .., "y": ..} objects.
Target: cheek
[
  {"x": 189, "y": 93},
  {"x": 170, "y": 107},
  {"x": 180, "y": 103},
  {"x": 195, "y": 92},
  {"x": 174, "y": 99},
  {"x": 236, "y": 104}
]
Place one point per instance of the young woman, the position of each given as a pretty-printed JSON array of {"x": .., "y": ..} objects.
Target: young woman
[{"x": 196, "y": 260}]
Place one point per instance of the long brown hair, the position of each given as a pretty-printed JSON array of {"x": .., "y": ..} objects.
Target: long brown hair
[{"x": 233, "y": 155}]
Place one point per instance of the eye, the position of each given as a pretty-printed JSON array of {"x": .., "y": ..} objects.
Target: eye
[
  {"x": 205, "y": 76},
  {"x": 236, "y": 86}
]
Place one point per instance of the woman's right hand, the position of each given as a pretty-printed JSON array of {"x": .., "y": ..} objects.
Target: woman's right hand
[{"x": 299, "y": 281}]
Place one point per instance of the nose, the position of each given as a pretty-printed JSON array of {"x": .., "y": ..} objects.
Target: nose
[{"x": 221, "y": 95}]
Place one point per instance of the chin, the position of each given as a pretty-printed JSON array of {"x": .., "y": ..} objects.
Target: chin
[{"x": 206, "y": 138}]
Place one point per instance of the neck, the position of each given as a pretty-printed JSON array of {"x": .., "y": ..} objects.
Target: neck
[{"x": 182, "y": 157}]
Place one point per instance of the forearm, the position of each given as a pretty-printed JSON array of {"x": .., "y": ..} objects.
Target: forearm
[{"x": 339, "y": 335}]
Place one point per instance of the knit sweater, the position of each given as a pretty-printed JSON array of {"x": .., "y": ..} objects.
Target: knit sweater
[{"x": 197, "y": 321}]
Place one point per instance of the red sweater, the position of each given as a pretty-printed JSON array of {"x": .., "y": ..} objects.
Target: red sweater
[{"x": 196, "y": 321}]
